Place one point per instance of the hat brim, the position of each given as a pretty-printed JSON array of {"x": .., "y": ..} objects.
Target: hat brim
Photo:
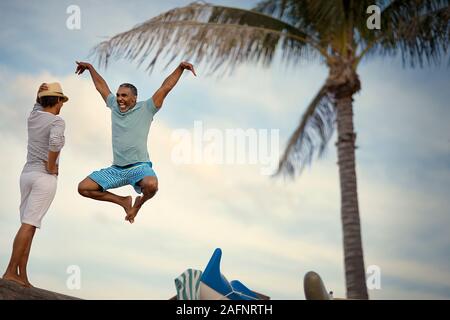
[{"x": 53, "y": 94}]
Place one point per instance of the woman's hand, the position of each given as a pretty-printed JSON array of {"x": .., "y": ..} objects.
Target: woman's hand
[{"x": 52, "y": 169}]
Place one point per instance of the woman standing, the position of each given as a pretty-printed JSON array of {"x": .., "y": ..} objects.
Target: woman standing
[{"x": 39, "y": 176}]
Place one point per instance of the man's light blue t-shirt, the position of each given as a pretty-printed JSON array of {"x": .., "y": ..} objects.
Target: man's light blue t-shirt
[{"x": 130, "y": 131}]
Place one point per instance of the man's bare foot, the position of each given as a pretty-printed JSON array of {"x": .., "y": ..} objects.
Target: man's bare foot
[
  {"x": 15, "y": 278},
  {"x": 134, "y": 210},
  {"x": 127, "y": 204}
]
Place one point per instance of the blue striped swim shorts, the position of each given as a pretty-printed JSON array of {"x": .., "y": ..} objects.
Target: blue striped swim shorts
[{"x": 115, "y": 176}]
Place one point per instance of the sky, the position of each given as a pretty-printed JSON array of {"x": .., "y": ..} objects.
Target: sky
[{"x": 271, "y": 231}]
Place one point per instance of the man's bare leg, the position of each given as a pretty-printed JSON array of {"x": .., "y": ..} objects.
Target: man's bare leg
[
  {"x": 149, "y": 186},
  {"x": 91, "y": 189},
  {"x": 22, "y": 241}
]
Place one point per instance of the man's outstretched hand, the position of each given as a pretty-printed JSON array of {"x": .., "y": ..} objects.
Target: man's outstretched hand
[
  {"x": 187, "y": 66},
  {"x": 81, "y": 66}
]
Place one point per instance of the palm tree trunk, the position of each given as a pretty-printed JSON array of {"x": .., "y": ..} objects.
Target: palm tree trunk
[{"x": 355, "y": 275}]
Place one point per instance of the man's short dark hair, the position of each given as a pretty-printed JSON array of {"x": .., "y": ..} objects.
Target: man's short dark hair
[
  {"x": 132, "y": 88},
  {"x": 48, "y": 101}
]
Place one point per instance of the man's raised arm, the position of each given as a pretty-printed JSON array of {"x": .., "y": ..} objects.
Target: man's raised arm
[
  {"x": 100, "y": 83},
  {"x": 170, "y": 82}
]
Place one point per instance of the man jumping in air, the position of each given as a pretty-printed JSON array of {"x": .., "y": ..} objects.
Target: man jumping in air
[{"x": 130, "y": 128}]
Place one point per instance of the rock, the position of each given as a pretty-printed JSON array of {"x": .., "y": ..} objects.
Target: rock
[{"x": 9, "y": 290}]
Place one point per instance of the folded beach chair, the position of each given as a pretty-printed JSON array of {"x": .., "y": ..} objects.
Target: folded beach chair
[{"x": 188, "y": 285}]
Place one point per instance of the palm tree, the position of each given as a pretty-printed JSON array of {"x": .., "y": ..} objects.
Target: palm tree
[{"x": 334, "y": 32}]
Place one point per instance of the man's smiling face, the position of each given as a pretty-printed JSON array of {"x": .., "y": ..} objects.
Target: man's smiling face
[{"x": 125, "y": 98}]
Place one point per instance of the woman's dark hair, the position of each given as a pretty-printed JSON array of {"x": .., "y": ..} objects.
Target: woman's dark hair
[{"x": 49, "y": 101}]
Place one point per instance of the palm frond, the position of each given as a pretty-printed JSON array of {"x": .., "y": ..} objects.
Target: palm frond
[
  {"x": 419, "y": 30},
  {"x": 311, "y": 136},
  {"x": 291, "y": 11},
  {"x": 217, "y": 35},
  {"x": 335, "y": 24},
  {"x": 321, "y": 19}
]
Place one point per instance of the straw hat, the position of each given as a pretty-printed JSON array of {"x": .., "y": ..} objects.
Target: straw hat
[{"x": 54, "y": 90}]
